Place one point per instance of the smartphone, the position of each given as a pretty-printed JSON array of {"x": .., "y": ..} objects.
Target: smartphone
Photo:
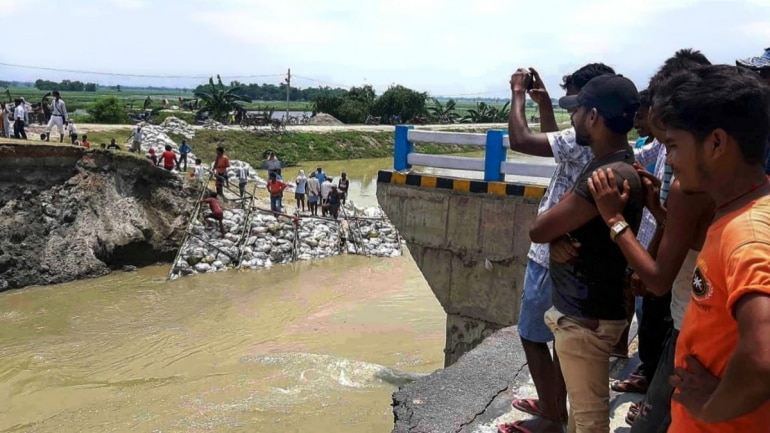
[{"x": 530, "y": 81}]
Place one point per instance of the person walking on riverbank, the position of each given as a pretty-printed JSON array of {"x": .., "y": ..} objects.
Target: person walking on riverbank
[
  {"x": 221, "y": 164},
  {"x": 243, "y": 179},
  {"x": 313, "y": 194},
  {"x": 275, "y": 187},
  {"x": 216, "y": 213},
  {"x": 136, "y": 137},
  {"x": 184, "y": 150},
  {"x": 300, "y": 190},
  {"x": 58, "y": 117},
  {"x": 19, "y": 114}
]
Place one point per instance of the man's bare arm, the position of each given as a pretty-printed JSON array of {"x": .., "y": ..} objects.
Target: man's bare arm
[
  {"x": 745, "y": 385},
  {"x": 659, "y": 273},
  {"x": 520, "y": 137},
  {"x": 571, "y": 213}
]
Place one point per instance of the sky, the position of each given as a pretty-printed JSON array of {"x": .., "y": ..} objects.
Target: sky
[{"x": 443, "y": 47}]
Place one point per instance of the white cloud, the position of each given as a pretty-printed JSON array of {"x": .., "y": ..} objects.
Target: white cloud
[{"x": 128, "y": 4}]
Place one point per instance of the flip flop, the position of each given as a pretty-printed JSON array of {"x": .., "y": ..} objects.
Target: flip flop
[
  {"x": 530, "y": 406},
  {"x": 634, "y": 383},
  {"x": 513, "y": 427}
]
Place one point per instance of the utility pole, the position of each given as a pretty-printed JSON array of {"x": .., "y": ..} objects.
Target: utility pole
[{"x": 288, "y": 92}]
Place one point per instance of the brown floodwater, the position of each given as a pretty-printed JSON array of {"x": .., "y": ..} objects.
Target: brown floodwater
[{"x": 306, "y": 347}]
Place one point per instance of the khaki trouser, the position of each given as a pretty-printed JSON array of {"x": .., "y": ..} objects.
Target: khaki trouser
[{"x": 584, "y": 354}]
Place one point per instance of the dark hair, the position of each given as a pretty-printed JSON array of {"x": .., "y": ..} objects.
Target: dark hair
[
  {"x": 213, "y": 194},
  {"x": 55, "y": 93},
  {"x": 619, "y": 125},
  {"x": 168, "y": 147},
  {"x": 198, "y": 160},
  {"x": 644, "y": 99},
  {"x": 103, "y": 145},
  {"x": 221, "y": 149},
  {"x": 683, "y": 60},
  {"x": 272, "y": 175},
  {"x": 85, "y": 137},
  {"x": 718, "y": 97},
  {"x": 579, "y": 78}
]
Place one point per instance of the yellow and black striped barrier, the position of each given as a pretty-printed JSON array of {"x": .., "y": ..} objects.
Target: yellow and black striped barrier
[{"x": 466, "y": 185}]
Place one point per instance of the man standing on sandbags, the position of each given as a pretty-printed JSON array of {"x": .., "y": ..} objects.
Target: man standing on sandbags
[{"x": 58, "y": 117}]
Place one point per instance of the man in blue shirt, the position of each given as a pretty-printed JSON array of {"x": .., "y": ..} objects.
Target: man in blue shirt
[
  {"x": 320, "y": 175},
  {"x": 184, "y": 149}
]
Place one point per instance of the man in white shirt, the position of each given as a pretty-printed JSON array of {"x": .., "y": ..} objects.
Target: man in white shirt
[
  {"x": 326, "y": 189},
  {"x": 72, "y": 130},
  {"x": 58, "y": 117},
  {"x": 19, "y": 114}
]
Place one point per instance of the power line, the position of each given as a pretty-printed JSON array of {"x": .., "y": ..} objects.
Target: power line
[{"x": 115, "y": 74}]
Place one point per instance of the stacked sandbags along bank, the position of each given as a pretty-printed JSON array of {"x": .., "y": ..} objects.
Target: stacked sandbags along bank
[
  {"x": 263, "y": 239},
  {"x": 206, "y": 250},
  {"x": 175, "y": 125},
  {"x": 213, "y": 125},
  {"x": 232, "y": 173},
  {"x": 369, "y": 233}
]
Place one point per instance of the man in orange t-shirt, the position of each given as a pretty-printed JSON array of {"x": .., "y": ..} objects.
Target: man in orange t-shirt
[{"x": 717, "y": 121}]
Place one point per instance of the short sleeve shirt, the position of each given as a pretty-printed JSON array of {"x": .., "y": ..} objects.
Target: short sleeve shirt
[
  {"x": 734, "y": 261},
  {"x": 592, "y": 286},
  {"x": 570, "y": 159}
]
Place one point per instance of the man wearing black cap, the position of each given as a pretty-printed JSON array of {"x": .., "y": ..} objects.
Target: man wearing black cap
[{"x": 589, "y": 313}]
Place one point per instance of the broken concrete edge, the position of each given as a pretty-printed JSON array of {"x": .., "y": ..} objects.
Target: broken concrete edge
[
  {"x": 454, "y": 398},
  {"x": 475, "y": 393}
]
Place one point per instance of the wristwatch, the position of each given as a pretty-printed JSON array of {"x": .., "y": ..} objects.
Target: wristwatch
[{"x": 617, "y": 228}]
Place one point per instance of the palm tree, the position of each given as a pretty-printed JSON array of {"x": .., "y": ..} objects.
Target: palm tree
[
  {"x": 485, "y": 113},
  {"x": 219, "y": 100},
  {"x": 444, "y": 113}
]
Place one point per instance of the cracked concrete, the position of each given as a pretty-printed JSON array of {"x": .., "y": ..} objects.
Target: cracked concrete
[{"x": 474, "y": 395}]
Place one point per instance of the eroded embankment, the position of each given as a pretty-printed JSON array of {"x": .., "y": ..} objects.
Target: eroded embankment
[{"x": 68, "y": 213}]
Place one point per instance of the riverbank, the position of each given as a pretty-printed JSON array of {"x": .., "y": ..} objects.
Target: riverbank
[
  {"x": 299, "y": 144},
  {"x": 69, "y": 213}
]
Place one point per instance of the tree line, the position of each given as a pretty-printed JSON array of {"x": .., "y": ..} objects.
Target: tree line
[
  {"x": 65, "y": 86},
  {"x": 272, "y": 92}
]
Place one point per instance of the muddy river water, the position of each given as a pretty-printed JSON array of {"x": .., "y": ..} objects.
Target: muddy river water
[{"x": 307, "y": 347}]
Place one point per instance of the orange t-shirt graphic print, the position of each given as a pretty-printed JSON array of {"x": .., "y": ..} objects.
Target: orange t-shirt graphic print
[{"x": 734, "y": 261}]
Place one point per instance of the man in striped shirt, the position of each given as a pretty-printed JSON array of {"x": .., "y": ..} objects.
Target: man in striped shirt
[{"x": 58, "y": 117}]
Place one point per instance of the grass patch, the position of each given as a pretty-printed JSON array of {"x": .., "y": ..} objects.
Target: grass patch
[{"x": 299, "y": 147}]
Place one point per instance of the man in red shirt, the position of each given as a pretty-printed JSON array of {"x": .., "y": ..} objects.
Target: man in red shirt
[
  {"x": 85, "y": 143},
  {"x": 221, "y": 164},
  {"x": 169, "y": 159},
  {"x": 216, "y": 211},
  {"x": 275, "y": 187}
]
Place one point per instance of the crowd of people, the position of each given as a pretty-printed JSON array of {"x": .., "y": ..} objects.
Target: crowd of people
[
  {"x": 316, "y": 190},
  {"x": 675, "y": 230}
]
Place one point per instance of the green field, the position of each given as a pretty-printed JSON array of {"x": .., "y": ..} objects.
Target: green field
[{"x": 78, "y": 102}]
